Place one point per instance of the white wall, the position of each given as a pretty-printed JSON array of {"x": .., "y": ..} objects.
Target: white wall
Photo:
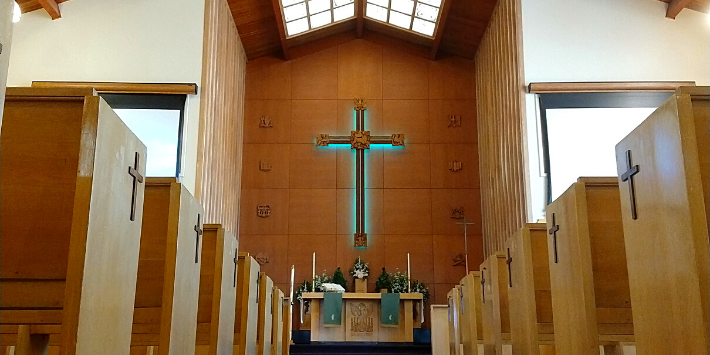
[
  {"x": 6, "y": 11},
  {"x": 148, "y": 41},
  {"x": 606, "y": 40}
]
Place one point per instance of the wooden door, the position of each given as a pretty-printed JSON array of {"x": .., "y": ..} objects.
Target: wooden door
[{"x": 667, "y": 244}]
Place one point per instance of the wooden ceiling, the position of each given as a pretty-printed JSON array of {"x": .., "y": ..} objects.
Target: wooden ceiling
[
  {"x": 51, "y": 6},
  {"x": 676, "y": 6},
  {"x": 261, "y": 30}
]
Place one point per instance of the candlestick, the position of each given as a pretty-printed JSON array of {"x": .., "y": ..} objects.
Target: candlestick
[
  {"x": 409, "y": 275},
  {"x": 313, "y": 285}
]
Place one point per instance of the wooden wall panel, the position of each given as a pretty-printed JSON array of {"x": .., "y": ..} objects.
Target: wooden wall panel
[
  {"x": 219, "y": 156},
  {"x": 501, "y": 126}
]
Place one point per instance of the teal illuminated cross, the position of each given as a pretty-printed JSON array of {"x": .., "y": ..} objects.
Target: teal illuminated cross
[{"x": 360, "y": 140}]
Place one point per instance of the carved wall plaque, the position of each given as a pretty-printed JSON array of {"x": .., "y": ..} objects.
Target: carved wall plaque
[
  {"x": 322, "y": 140},
  {"x": 264, "y": 165},
  {"x": 265, "y": 122},
  {"x": 360, "y": 105},
  {"x": 454, "y": 121},
  {"x": 363, "y": 320},
  {"x": 455, "y": 166},
  {"x": 360, "y": 139},
  {"x": 457, "y": 213},
  {"x": 459, "y": 260},
  {"x": 261, "y": 258},
  {"x": 398, "y": 140},
  {"x": 263, "y": 211}
]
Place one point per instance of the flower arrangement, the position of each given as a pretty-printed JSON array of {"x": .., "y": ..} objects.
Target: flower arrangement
[
  {"x": 305, "y": 287},
  {"x": 320, "y": 280},
  {"x": 399, "y": 283},
  {"x": 383, "y": 282},
  {"x": 419, "y": 287},
  {"x": 360, "y": 269}
]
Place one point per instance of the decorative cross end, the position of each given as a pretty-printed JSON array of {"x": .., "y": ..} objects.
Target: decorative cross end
[
  {"x": 360, "y": 139},
  {"x": 360, "y": 105},
  {"x": 322, "y": 140},
  {"x": 361, "y": 240},
  {"x": 398, "y": 140}
]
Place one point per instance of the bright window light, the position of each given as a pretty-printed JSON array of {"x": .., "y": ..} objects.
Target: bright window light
[
  {"x": 296, "y": 27},
  {"x": 320, "y": 19},
  {"x": 403, "y": 6},
  {"x": 343, "y": 12},
  {"x": 301, "y": 16},
  {"x": 377, "y": 13},
  {"x": 16, "y": 14},
  {"x": 423, "y": 27},
  {"x": 400, "y": 20},
  {"x": 399, "y": 13}
]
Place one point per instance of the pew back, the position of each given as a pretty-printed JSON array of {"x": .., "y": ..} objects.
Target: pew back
[
  {"x": 277, "y": 322},
  {"x": 453, "y": 300},
  {"x": 266, "y": 311},
  {"x": 588, "y": 274},
  {"x": 287, "y": 319},
  {"x": 471, "y": 312},
  {"x": 495, "y": 315},
  {"x": 529, "y": 293},
  {"x": 247, "y": 309},
  {"x": 667, "y": 244},
  {"x": 69, "y": 246}
]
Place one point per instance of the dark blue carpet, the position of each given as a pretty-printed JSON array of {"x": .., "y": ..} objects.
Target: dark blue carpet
[{"x": 360, "y": 348}]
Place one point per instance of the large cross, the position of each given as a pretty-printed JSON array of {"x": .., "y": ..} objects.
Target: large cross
[
  {"x": 360, "y": 140},
  {"x": 509, "y": 261},
  {"x": 134, "y": 172},
  {"x": 553, "y": 232},
  {"x": 629, "y": 176},
  {"x": 198, "y": 233}
]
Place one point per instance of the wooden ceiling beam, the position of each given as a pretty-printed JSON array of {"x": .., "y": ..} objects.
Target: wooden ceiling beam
[
  {"x": 675, "y": 7},
  {"x": 281, "y": 28},
  {"x": 440, "y": 29},
  {"x": 51, "y": 7},
  {"x": 360, "y": 13}
]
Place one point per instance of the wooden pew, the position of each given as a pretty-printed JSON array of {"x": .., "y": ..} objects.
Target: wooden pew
[
  {"x": 71, "y": 218},
  {"x": 266, "y": 308},
  {"x": 667, "y": 236},
  {"x": 167, "y": 291},
  {"x": 218, "y": 289},
  {"x": 453, "y": 300},
  {"x": 471, "y": 313},
  {"x": 439, "y": 329},
  {"x": 277, "y": 321},
  {"x": 247, "y": 309},
  {"x": 287, "y": 319},
  {"x": 588, "y": 275},
  {"x": 529, "y": 295},
  {"x": 495, "y": 316}
]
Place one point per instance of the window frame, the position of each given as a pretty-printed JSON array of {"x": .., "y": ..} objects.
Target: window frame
[
  {"x": 553, "y": 101},
  {"x": 174, "y": 102}
]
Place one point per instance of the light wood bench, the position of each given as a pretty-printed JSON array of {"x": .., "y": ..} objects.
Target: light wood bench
[
  {"x": 529, "y": 294},
  {"x": 218, "y": 290},
  {"x": 588, "y": 274},
  {"x": 167, "y": 291},
  {"x": 247, "y": 309},
  {"x": 277, "y": 321},
  {"x": 71, "y": 218},
  {"x": 287, "y": 319},
  {"x": 667, "y": 242},
  {"x": 453, "y": 301},
  {"x": 494, "y": 294},
  {"x": 266, "y": 310},
  {"x": 471, "y": 313}
]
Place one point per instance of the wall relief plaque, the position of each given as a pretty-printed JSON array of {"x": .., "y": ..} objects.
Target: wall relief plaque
[
  {"x": 265, "y": 122},
  {"x": 457, "y": 213},
  {"x": 264, "y": 165},
  {"x": 263, "y": 211},
  {"x": 455, "y": 166},
  {"x": 454, "y": 121}
]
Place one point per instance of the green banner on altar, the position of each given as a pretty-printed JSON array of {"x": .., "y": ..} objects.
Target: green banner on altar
[
  {"x": 332, "y": 308},
  {"x": 389, "y": 314}
]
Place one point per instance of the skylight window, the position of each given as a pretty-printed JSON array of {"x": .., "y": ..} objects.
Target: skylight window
[
  {"x": 305, "y": 15},
  {"x": 419, "y": 16}
]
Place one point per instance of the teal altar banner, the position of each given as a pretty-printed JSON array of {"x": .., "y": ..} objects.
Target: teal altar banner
[
  {"x": 389, "y": 314},
  {"x": 332, "y": 308}
]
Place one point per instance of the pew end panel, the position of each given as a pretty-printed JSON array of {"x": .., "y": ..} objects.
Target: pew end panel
[
  {"x": 264, "y": 329},
  {"x": 277, "y": 322},
  {"x": 247, "y": 305},
  {"x": 496, "y": 315},
  {"x": 665, "y": 220},
  {"x": 69, "y": 196},
  {"x": 471, "y": 326}
]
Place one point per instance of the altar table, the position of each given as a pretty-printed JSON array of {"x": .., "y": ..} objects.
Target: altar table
[{"x": 360, "y": 319}]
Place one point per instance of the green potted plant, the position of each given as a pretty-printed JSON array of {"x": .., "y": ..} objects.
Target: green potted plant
[
  {"x": 383, "y": 282},
  {"x": 339, "y": 278}
]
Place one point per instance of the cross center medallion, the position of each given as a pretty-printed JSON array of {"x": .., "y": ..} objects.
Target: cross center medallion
[{"x": 360, "y": 140}]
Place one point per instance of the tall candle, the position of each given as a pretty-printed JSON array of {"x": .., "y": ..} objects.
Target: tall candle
[
  {"x": 409, "y": 273},
  {"x": 313, "y": 286}
]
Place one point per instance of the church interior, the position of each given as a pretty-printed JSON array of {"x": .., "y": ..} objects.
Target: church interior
[{"x": 275, "y": 177}]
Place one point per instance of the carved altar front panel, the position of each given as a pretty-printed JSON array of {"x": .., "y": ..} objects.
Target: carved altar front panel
[{"x": 362, "y": 320}]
